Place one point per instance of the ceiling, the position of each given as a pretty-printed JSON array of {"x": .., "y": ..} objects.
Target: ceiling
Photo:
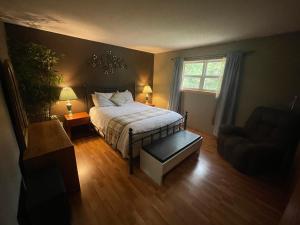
[{"x": 156, "y": 25}]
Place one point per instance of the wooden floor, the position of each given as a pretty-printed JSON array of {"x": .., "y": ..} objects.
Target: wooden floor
[{"x": 204, "y": 190}]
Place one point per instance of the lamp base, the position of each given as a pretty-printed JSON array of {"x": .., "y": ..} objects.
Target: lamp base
[
  {"x": 147, "y": 99},
  {"x": 69, "y": 107}
]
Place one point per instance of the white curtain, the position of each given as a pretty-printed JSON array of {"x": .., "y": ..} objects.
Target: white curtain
[
  {"x": 227, "y": 99},
  {"x": 174, "y": 101}
]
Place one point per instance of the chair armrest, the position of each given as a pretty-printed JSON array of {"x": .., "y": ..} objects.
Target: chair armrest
[{"x": 229, "y": 129}]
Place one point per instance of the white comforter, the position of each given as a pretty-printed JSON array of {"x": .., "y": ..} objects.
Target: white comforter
[{"x": 100, "y": 116}]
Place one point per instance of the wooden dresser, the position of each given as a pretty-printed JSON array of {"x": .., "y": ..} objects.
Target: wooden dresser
[
  {"x": 41, "y": 144},
  {"x": 49, "y": 144}
]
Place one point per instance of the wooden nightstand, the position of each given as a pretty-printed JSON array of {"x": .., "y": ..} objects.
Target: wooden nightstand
[{"x": 74, "y": 120}]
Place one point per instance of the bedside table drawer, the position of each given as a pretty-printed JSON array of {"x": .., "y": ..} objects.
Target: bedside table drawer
[{"x": 78, "y": 122}]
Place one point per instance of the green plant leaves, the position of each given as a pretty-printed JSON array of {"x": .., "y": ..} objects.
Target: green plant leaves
[{"x": 38, "y": 79}]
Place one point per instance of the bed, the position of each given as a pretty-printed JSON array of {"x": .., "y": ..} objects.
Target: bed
[
  {"x": 130, "y": 126},
  {"x": 146, "y": 118}
]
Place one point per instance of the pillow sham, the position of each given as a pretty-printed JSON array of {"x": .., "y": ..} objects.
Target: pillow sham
[
  {"x": 102, "y": 100},
  {"x": 119, "y": 98}
]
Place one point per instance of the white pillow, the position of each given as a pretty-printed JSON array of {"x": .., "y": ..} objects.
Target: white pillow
[
  {"x": 101, "y": 100},
  {"x": 106, "y": 95},
  {"x": 127, "y": 94},
  {"x": 95, "y": 101},
  {"x": 119, "y": 98}
]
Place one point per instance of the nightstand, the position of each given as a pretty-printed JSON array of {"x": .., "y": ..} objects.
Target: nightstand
[{"x": 75, "y": 120}]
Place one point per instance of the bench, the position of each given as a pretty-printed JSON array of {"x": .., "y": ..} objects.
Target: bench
[{"x": 158, "y": 158}]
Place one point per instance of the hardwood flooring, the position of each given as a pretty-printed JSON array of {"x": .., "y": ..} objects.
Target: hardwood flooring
[{"x": 202, "y": 190}]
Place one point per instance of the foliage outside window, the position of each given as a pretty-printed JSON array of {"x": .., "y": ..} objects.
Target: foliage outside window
[
  {"x": 205, "y": 75},
  {"x": 35, "y": 68}
]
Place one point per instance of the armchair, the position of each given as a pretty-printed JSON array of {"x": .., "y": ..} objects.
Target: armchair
[{"x": 266, "y": 142}]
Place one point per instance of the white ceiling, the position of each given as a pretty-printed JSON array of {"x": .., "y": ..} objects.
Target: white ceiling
[{"x": 156, "y": 25}]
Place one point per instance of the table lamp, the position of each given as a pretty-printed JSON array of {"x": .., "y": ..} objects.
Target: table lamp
[
  {"x": 147, "y": 90},
  {"x": 67, "y": 94}
]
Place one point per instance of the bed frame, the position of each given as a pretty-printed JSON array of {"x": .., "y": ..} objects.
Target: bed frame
[{"x": 148, "y": 137}]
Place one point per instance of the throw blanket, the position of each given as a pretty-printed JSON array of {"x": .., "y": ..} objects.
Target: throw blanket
[{"x": 117, "y": 124}]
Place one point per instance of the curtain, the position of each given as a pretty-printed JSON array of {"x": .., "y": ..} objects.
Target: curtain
[
  {"x": 174, "y": 101},
  {"x": 227, "y": 99}
]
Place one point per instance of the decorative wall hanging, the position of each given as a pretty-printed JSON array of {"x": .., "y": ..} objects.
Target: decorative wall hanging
[
  {"x": 109, "y": 63},
  {"x": 94, "y": 61}
]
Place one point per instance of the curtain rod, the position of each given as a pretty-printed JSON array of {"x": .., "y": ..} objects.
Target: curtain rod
[
  {"x": 205, "y": 57},
  {"x": 202, "y": 56},
  {"x": 209, "y": 56}
]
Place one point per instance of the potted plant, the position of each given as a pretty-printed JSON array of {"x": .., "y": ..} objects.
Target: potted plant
[{"x": 35, "y": 68}]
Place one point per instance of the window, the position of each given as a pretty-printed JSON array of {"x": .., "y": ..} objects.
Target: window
[{"x": 203, "y": 75}]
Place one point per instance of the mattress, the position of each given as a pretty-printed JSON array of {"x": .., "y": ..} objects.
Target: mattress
[{"x": 101, "y": 116}]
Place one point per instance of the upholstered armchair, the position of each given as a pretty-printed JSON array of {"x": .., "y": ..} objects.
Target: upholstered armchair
[{"x": 266, "y": 142}]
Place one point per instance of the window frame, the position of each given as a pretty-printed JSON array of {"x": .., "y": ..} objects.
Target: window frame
[{"x": 203, "y": 76}]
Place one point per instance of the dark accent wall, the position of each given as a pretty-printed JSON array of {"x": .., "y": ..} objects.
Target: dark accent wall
[{"x": 75, "y": 68}]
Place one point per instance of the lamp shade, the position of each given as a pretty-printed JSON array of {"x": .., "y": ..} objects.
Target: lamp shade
[
  {"x": 147, "y": 89},
  {"x": 66, "y": 94}
]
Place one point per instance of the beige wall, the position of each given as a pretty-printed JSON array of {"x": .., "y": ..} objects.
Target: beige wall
[
  {"x": 10, "y": 177},
  {"x": 271, "y": 77}
]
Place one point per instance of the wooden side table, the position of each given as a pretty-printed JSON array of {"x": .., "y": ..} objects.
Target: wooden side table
[{"x": 74, "y": 120}]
